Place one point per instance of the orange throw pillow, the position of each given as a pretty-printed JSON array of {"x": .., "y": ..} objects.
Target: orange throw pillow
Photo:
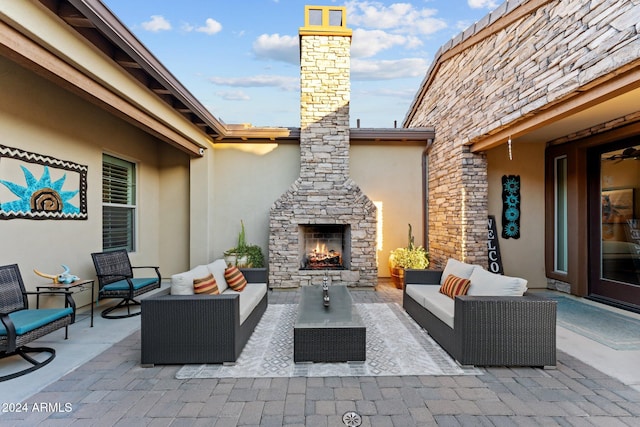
[
  {"x": 206, "y": 285},
  {"x": 454, "y": 285},
  {"x": 235, "y": 279}
]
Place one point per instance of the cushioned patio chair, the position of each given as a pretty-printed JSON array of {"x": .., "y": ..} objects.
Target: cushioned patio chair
[
  {"x": 22, "y": 325},
  {"x": 115, "y": 280}
]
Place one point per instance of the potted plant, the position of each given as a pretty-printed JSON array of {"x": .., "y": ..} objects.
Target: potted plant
[
  {"x": 244, "y": 255},
  {"x": 414, "y": 257}
]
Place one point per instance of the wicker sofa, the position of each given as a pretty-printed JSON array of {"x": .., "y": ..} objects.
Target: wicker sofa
[
  {"x": 182, "y": 328},
  {"x": 509, "y": 328}
]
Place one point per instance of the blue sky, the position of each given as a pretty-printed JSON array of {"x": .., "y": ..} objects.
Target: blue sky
[{"x": 240, "y": 58}]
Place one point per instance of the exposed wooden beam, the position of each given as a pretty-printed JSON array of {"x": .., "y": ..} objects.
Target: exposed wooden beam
[
  {"x": 125, "y": 60},
  {"x": 158, "y": 88},
  {"x": 73, "y": 16}
]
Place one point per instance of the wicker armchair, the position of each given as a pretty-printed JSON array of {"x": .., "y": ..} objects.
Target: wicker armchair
[
  {"x": 21, "y": 325},
  {"x": 115, "y": 280}
]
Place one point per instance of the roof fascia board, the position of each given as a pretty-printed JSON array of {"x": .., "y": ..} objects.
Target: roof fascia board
[
  {"x": 420, "y": 135},
  {"x": 34, "y": 57},
  {"x": 360, "y": 136}
]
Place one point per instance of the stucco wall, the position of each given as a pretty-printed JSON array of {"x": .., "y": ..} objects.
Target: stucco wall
[
  {"x": 519, "y": 70},
  {"x": 523, "y": 257},
  {"x": 39, "y": 117},
  {"x": 248, "y": 178},
  {"x": 391, "y": 176},
  {"x": 173, "y": 210}
]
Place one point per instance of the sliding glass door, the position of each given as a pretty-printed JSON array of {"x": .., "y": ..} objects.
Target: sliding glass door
[{"x": 614, "y": 222}]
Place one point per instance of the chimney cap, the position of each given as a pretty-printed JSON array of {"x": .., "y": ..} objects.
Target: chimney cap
[{"x": 325, "y": 20}]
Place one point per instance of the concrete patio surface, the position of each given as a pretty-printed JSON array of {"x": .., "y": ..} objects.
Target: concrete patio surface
[{"x": 96, "y": 379}]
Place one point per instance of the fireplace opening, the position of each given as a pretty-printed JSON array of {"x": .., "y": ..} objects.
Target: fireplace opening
[{"x": 324, "y": 246}]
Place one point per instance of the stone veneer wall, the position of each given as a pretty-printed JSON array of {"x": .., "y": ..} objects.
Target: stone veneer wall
[
  {"x": 324, "y": 193},
  {"x": 541, "y": 58}
]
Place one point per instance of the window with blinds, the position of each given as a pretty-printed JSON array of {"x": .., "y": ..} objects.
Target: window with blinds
[{"x": 118, "y": 203}]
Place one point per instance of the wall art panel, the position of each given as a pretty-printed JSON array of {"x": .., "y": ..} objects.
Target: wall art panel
[{"x": 36, "y": 186}]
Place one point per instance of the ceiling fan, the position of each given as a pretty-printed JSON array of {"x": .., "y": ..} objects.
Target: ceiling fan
[{"x": 627, "y": 153}]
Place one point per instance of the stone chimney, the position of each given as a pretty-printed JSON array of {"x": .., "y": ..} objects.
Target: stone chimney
[
  {"x": 324, "y": 197},
  {"x": 325, "y": 92}
]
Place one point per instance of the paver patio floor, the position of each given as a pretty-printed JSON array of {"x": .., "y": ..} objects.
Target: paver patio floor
[{"x": 112, "y": 389}]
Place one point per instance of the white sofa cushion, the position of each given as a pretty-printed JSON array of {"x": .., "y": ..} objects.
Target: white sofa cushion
[
  {"x": 249, "y": 298},
  {"x": 457, "y": 268},
  {"x": 484, "y": 282},
  {"x": 182, "y": 283},
  {"x": 429, "y": 296},
  {"x": 217, "y": 268}
]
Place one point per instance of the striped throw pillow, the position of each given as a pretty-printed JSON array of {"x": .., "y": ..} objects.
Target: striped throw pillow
[
  {"x": 206, "y": 285},
  {"x": 454, "y": 285},
  {"x": 235, "y": 279}
]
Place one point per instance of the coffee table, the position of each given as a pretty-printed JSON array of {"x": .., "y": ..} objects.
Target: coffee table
[{"x": 328, "y": 334}]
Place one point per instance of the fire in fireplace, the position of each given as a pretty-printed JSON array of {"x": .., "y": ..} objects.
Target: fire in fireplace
[
  {"x": 321, "y": 257},
  {"x": 324, "y": 247}
]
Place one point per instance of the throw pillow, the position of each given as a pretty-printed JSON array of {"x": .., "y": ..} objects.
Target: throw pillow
[
  {"x": 485, "y": 283},
  {"x": 182, "y": 284},
  {"x": 217, "y": 268},
  {"x": 235, "y": 279},
  {"x": 454, "y": 285},
  {"x": 457, "y": 268},
  {"x": 206, "y": 285}
]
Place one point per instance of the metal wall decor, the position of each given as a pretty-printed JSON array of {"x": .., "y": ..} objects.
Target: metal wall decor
[
  {"x": 35, "y": 186},
  {"x": 511, "y": 206}
]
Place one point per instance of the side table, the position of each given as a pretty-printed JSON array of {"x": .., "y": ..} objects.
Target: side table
[{"x": 77, "y": 286}]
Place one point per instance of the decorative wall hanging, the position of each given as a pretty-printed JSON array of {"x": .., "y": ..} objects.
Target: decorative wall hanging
[
  {"x": 511, "y": 206},
  {"x": 35, "y": 186},
  {"x": 493, "y": 247}
]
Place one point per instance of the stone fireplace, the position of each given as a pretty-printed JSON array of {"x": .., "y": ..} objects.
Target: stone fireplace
[{"x": 323, "y": 198}]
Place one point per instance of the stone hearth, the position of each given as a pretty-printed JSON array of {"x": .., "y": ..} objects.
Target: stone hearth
[{"x": 323, "y": 193}]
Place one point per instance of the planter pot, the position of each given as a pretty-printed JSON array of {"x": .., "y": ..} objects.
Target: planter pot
[
  {"x": 397, "y": 277},
  {"x": 234, "y": 260}
]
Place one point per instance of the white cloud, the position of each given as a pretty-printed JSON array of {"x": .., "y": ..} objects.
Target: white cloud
[
  {"x": 277, "y": 47},
  {"x": 234, "y": 95},
  {"x": 211, "y": 27},
  {"x": 463, "y": 25},
  {"x": 481, "y": 4},
  {"x": 366, "y": 43},
  {"x": 397, "y": 93},
  {"x": 398, "y": 17},
  {"x": 157, "y": 23},
  {"x": 285, "y": 83},
  {"x": 388, "y": 69}
]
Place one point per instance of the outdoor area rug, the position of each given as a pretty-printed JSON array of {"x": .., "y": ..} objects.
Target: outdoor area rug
[
  {"x": 609, "y": 328},
  {"x": 396, "y": 346}
]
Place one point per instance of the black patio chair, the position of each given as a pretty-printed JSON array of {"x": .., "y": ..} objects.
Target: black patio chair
[
  {"x": 22, "y": 325},
  {"x": 115, "y": 280}
]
